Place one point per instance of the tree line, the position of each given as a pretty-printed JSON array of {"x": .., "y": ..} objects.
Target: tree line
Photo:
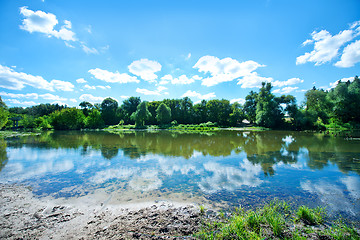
[{"x": 321, "y": 108}]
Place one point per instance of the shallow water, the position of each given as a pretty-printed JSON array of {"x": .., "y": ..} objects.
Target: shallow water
[{"x": 224, "y": 168}]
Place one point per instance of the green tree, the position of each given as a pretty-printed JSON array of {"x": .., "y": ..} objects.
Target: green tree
[
  {"x": 86, "y": 107},
  {"x": 4, "y": 114},
  {"x": 108, "y": 111},
  {"x": 94, "y": 120},
  {"x": 237, "y": 115},
  {"x": 316, "y": 103},
  {"x": 141, "y": 115},
  {"x": 268, "y": 112},
  {"x": 200, "y": 112},
  {"x": 219, "y": 111},
  {"x": 129, "y": 106},
  {"x": 152, "y": 106},
  {"x": 250, "y": 106},
  {"x": 67, "y": 119},
  {"x": 163, "y": 114}
]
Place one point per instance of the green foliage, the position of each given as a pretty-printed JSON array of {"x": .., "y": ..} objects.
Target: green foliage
[
  {"x": 268, "y": 113},
  {"x": 141, "y": 115},
  {"x": 86, "y": 107},
  {"x": 250, "y": 106},
  {"x": 94, "y": 120},
  {"x": 163, "y": 114},
  {"x": 129, "y": 106},
  {"x": 311, "y": 216},
  {"x": 108, "y": 111},
  {"x": 219, "y": 111},
  {"x": 237, "y": 115},
  {"x": 4, "y": 114},
  {"x": 67, "y": 119}
]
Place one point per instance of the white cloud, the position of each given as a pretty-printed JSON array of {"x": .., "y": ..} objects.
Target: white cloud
[
  {"x": 124, "y": 97},
  {"x": 42, "y": 22},
  {"x": 253, "y": 80},
  {"x": 145, "y": 69},
  {"x": 90, "y": 98},
  {"x": 334, "y": 84},
  {"x": 238, "y": 100},
  {"x": 19, "y": 95},
  {"x": 88, "y": 87},
  {"x": 350, "y": 56},
  {"x": 116, "y": 77},
  {"x": 182, "y": 80},
  {"x": 190, "y": 93},
  {"x": 326, "y": 47},
  {"x": 88, "y": 50},
  {"x": 81, "y": 80},
  {"x": 13, "y": 80},
  {"x": 188, "y": 56},
  {"x": 291, "y": 81},
  {"x": 73, "y": 100},
  {"x": 285, "y": 90},
  {"x": 149, "y": 92},
  {"x": 49, "y": 96},
  {"x": 15, "y": 101},
  {"x": 225, "y": 70}
]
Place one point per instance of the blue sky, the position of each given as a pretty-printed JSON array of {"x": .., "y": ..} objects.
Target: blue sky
[{"x": 71, "y": 51}]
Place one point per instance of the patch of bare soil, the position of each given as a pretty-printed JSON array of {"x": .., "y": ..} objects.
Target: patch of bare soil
[{"x": 24, "y": 216}]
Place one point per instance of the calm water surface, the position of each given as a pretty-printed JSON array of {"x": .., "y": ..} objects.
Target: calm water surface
[{"x": 224, "y": 168}]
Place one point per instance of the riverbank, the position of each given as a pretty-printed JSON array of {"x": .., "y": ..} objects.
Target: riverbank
[{"x": 24, "y": 216}]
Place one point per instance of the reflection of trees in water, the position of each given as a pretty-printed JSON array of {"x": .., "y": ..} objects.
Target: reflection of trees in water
[
  {"x": 265, "y": 148},
  {"x": 3, "y": 154}
]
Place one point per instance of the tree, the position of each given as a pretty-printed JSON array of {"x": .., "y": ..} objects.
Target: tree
[
  {"x": 86, "y": 107},
  {"x": 129, "y": 106},
  {"x": 108, "y": 111},
  {"x": 268, "y": 112},
  {"x": 318, "y": 104},
  {"x": 4, "y": 114},
  {"x": 94, "y": 120},
  {"x": 163, "y": 114},
  {"x": 219, "y": 111},
  {"x": 200, "y": 112},
  {"x": 250, "y": 106},
  {"x": 67, "y": 119},
  {"x": 237, "y": 115},
  {"x": 141, "y": 115}
]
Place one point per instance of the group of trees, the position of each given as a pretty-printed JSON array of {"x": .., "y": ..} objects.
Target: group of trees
[{"x": 338, "y": 105}]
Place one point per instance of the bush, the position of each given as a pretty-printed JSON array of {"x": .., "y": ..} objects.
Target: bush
[{"x": 67, "y": 119}]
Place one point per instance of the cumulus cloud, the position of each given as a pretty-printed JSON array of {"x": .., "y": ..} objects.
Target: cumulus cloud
[
  {"x": 42, "y": 22},
  {"x": 111, "y": 77},
  {"x": 158, "y": 91},
  {"x": 238, "y": 100},
  {"x": 15, "y": 101},
  {"x": 350, "y": 56},
  {"x": 253, "y": 80},
  {"x": 90, "y": 98},
  {"x": 81, "y": 80},
  {"x": 10, "y": 79},
  {"x": 227, "y": 69},
  {"x": 327, "y": 47},
  {"x": 49, "y": 96},
  {"x": 291, "y": 81},
  {"x": 285, "y": 90},
  {"x": 88, "y": 87},
  {"x": 20, "y": 95},
  {"x": 145, "y": 69},
  {"x": 190, "y": 93},
  {"x": 182, "y": 80}
]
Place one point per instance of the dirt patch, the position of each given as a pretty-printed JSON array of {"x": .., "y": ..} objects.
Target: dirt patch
[{"x": 24, "y": 216}]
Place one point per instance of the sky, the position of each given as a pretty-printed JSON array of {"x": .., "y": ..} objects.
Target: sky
[{"x": 66, "y": 52}]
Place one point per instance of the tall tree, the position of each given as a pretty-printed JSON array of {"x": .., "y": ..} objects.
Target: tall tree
[
  {"x": 141, "y": 115},
  {"x": 86, "y": 107},
  {"x": 108, "y": 111},
  {"x": 317, "y": 104},
  {"x": 129, "y": 106},
  {"x": 200, "y": 112},
  {"x": 237, "y": 115},
  {"x": 163, "y": 114},
  {"x": 268, "y": 112},
  {"x": 250, "y": 106}
]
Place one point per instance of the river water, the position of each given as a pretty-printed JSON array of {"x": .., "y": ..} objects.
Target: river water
[{"x": 222, "y": 168}]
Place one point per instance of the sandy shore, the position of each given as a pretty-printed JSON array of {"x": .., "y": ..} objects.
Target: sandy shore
[{"x": 24, "y": 216}]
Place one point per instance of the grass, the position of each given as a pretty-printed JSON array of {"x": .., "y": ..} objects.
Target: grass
[
  {"x": 311, "y": 216},
  {"x": 275, "y": 220}
]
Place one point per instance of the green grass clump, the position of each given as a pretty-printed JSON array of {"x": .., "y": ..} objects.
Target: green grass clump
[
  {"x": 275, "y": 220},
  {"x": 311, "y": 216}
]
